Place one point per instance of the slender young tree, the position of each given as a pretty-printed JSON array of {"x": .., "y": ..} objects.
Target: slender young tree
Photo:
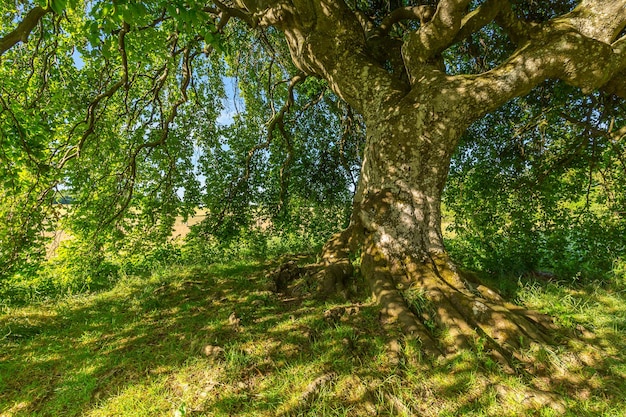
[{"x": 393, "y": 62}]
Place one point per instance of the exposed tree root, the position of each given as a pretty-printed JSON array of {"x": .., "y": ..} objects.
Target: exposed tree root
[
  {"x": 431, "y": 300},
  {"x": 393, "y": 305},
  {"x": 447, "y": 310},
  {"x": 335, "y": 267},
  {"x": 451, "y": 312}
]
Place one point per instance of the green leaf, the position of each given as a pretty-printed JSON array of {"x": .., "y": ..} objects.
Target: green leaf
[
  {"x": 107, "y": 48},
  {"x": 93, "y": 34},
  {"x": 107, "y": 9},
  {"x": 58, "y": 6}
]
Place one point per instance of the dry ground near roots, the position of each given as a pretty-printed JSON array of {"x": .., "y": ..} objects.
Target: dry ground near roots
[{"x": 215, "y": 342}]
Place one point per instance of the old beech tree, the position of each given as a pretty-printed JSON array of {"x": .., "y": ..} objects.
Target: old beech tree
[
  {"x": 415, "y": 114},
  {"x": 385, "y": 60}
]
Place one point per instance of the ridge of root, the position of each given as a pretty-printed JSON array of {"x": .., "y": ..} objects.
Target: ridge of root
[{"x": 463, "y": 311}]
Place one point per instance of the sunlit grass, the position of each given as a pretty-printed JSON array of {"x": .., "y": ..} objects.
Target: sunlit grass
[{"x": 141, "y": 349}]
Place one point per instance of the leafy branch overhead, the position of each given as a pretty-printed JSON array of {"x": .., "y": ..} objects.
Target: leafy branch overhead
[{"x": 367, "y": 49}]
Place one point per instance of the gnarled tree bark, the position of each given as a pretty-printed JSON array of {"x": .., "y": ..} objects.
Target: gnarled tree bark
[{"x": 396, "y": 223}]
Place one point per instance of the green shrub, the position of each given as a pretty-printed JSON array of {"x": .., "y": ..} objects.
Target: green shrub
[
  {"x": 149, "y": 259},
  {"x": 517, "y": 206},
  {"x": 76, "y": 267}
]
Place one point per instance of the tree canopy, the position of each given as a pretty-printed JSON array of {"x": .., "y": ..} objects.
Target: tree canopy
[{"x": 117, "y": 106}]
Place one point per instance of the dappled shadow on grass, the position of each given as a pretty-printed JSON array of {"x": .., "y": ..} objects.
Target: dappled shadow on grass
[
  {"x": 141, "y": 349},
  {"x": 595, "y": 316},
  {"x": 92, "y": 347}
]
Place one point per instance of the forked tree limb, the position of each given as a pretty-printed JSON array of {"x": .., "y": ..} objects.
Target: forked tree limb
[
  {"x": 500, "y": 12},
  {"x": 560, "y": 53},
  {"x": 436, "y": 35},
  {"x": 421, "y": 13}
]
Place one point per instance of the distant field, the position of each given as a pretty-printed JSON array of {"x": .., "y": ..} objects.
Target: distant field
[{"x": 180, "y": 230}]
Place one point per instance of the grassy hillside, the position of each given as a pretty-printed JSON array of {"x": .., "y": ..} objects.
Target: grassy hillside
[{"x": 215, "y": 341}]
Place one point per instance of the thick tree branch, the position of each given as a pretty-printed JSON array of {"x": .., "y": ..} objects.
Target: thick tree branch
[
  {"x": 451, "y": 24},
  {"x": 557, "y": 51},
  {"x": 229, "y": 12},
  {"x": 500, "y": 12},
  {"x": 327, "y": 39},
  {"x": 434, "y": 36},
  {"x": 518, "y": 30},
  {"x": 23, "y": 29},
  {"x": 478, "y": 18},
  {"x": 617, "y": 84},
  {"x": 259, "y": 13},
  {"x": 421, "y": 13},
  {"x": 601, "y": 20}
]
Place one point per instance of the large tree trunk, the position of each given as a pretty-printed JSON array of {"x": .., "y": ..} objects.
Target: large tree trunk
[
  {"x": 396, "y": 225},
  {"x": 415, "y": 113}
]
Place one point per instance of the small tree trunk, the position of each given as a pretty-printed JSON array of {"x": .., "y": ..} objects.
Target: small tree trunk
[{"x": 396, "y": 222}]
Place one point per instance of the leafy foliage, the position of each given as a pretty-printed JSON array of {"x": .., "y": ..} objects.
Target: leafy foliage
[
  {"x": 115, "y": 107},
  {"x": 543, "y": 190},
  {"x": 122, "y": 109}
]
